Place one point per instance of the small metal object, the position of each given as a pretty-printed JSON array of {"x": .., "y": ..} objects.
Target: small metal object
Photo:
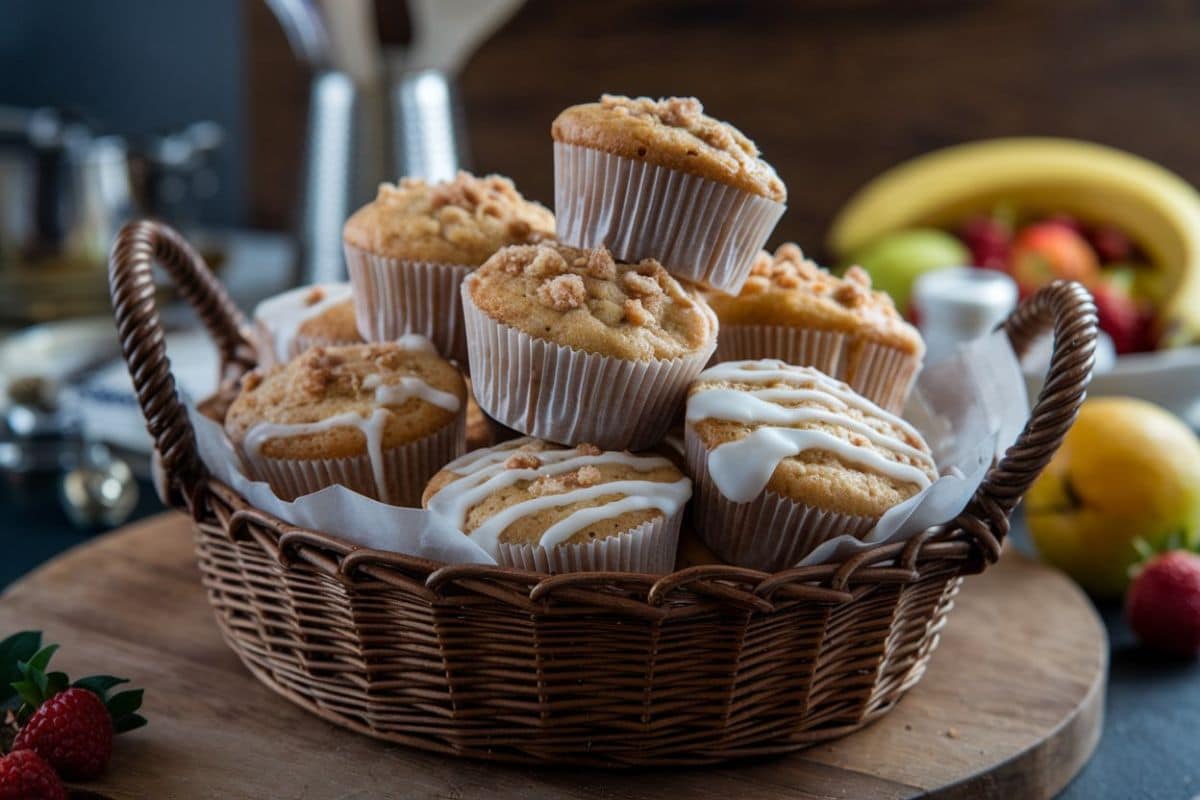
[
  {"x": 100, "y": 490},
  {"x": 959, "y": 304},
  {"x": 428, "y": 134},
  {"x": 328, "y": 177}
]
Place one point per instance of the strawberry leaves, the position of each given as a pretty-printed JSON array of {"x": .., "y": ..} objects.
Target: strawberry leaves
[
  {"x": 18, "y": 648},
  {"x": 23, "y": 674}
]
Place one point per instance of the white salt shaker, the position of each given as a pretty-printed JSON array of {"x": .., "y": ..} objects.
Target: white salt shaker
[{"x": 958, "y": 304}]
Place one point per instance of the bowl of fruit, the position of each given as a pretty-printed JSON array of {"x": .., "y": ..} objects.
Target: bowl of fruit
[{"x": 1043, "y": 209}]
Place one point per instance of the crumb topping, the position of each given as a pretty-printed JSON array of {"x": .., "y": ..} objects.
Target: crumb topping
[
  {"x": 586, "y": 475},
  {"x": 697, "y": 136},
  {"x": 562, "y": 292},
  {"x": 586, "y": 299},
  {"x": 327, "y": 382},
  {"x": 322, "y": 373},
  {"x": 467, "y": 215},
  {"x": 522, "y": 460},
  {"x": 788, "y": 269}
]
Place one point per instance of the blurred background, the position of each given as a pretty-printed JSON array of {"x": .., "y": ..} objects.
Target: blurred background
[{"x": 833, "y": 91}]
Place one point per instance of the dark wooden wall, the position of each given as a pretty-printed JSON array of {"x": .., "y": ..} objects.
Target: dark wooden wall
[{"x": 833, "y": 91}]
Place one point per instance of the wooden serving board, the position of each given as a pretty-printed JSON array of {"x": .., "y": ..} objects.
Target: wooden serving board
[{"x": 1010, "y": 707}]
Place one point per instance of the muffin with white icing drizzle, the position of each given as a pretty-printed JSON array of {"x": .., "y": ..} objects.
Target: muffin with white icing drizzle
[
  {"x": 543, "y": 507},
  {"x": 408, "y": 250},
  {"x": 573, "y": 346},
  {"x": 786, "y": 457},
  {"x": 793, "y": 310},
  {"x": 287, "y": 324},
  {"x": 378, "y": 419}
]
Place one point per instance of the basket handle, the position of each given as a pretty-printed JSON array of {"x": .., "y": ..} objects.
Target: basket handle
[
  {"x": 1066, "y": 309},
  {"x": 139, "y": 245}
]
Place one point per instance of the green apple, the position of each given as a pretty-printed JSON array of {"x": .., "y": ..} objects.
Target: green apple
[{"x": 897, "y": 259}]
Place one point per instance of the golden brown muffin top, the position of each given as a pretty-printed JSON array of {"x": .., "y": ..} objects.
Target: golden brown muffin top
[
  {"x": 334, "y": 325},
  {"x": 462, "y": 221},
  {"x": 419, "y": 391},
  {"x": 849, "y": 455},
  {"x": 672, "y": 132},
  {"x": 789, "y": 289},
  {"x": 527, "y": 491},
  {"x": 586, "y": 300}
]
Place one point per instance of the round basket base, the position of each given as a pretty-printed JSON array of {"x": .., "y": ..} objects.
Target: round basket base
[{"x": 1010, "y": 707}]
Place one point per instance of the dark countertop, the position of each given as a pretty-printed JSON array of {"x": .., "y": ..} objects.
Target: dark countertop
[{"x": 1150, "y": 747}]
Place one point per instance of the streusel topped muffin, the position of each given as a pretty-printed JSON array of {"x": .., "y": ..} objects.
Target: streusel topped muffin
[
  {"x": 408, "y": 251},
  {"x": 660, "y": 179},
  {"x": 793, "y": 310},
  {"x": 462, "y": 221},
  {"x": 289, "y": 323},
  {"x": 672, "y": 132},
  {"x": 572, "y": 346},
  {"x": 378, "y": 418},
  {"x": 540, "y": 506},
  {"x": 788, "y": 289},
  {"x": 333, "y": 326},
  {"x": 586, "y": 300},
  {"x": 769, "y": 442}
]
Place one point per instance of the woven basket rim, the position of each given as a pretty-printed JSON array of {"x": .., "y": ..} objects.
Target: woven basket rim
[{"x": 974, "y": 536}]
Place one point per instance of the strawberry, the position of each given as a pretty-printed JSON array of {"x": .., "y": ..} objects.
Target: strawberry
[
  {"x": 1163, "y": 603},
  {"x": 25, "y": 776},
  {"x": 70, "y": 726},
  {"x": 989, "y": 241},
  {"x": 72, "y": 731}
]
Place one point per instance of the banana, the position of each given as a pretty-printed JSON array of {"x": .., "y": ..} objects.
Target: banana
[{"x": 1156, "y": 208}]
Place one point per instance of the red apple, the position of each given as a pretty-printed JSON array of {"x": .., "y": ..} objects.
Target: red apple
[
  {"x": 1129, "y": 325},
  {"x": 1048, "y": 251}
]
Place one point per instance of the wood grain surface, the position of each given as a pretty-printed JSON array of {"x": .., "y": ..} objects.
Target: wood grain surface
[{"x": 1010, "y": 707}]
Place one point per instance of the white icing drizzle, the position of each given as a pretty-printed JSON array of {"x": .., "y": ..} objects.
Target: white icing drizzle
[
  {"x": 484, "y": 473},
  {"x": 371, "y": 428},
  {"x": 406, "y": 387},
  {"x": 283, "y": 314},
  {"x": 741, "y": 469},
  {"x": 416, "y": 343}
]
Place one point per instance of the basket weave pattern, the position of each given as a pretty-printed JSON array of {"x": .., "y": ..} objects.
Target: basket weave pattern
[{"x": 611, "y": 669}]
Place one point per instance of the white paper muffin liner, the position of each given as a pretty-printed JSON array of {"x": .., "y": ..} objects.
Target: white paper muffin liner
[
  {"x": 769, "y": 533},
  {"x": 395, "y": 296},
  {"x": 569, "y": 396},
  {"x": 406, "y": 469},
  {"x": 648, "y": 548},
  {"x": 884, "y": 375},
  {"x": 699, "y": 229}
]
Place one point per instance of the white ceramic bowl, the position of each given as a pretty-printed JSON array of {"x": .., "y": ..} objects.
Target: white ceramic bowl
[{"x": 1168, "y": 378}]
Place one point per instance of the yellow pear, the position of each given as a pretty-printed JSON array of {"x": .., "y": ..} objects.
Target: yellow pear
[{"x": 1127, "y": 470}]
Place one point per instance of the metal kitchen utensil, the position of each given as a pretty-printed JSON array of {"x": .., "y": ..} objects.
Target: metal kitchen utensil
[{"x": 377, "y": 113}]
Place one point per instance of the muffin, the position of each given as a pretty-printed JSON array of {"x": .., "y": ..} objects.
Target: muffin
[
  {"x": 793, "y": 310},
  {"x": 539, "y": 506},
  {"x": 310, "y": 316},
  {"x": 785, "y": 458},
  {"x": 572, "y": 346},
  {"x": 660, "y": 179},
  {"x": 408, "y": 251},
  {"x": 379, "y": 419}
]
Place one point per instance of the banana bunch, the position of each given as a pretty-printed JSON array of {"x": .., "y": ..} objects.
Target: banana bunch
[{"x": 1157, "y": 209}]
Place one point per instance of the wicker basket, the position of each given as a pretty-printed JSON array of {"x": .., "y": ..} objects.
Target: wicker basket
[{"x": 611, "y": 669}]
